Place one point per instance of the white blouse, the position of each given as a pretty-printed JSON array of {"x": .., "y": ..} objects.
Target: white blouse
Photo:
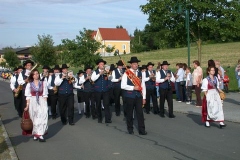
[
  {"x": 28, "y": 90},
  {"x": 205, "y": 85}
]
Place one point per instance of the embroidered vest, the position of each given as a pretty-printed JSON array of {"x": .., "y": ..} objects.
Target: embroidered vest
[
  {"x": 88, "y": 87},
  {"x": 65, "y": 87},
  {"x": 150, "y": 84},
  {"x": 166, "y": 84},
  {"x": 134, "y": 93},
  {"x": 100, "y": 85}
]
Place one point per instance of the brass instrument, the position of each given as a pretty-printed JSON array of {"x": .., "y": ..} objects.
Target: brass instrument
[
  {"x": 90, "y": 80},
  {"x": 19, "y": 88},
  {"x": 34, "y": 67},
  {"x": 153, "y": 76},
  {"x": 107, "y": 72},
  {"x": 69, "y": 76},
  {"x": 55, "y": 89}
]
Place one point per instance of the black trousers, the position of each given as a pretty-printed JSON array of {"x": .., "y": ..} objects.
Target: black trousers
[
  {"x": 105, "y": 97},
  {"x": 89, "y": 97},
  {"x": 23, "y": 101},
  {"x": 118, "y": 92},
  {"x": 137, "y": 104},
  {"x": 151, "y": 93},
  {"x": 198, "y": 95},
  {"x": 66, "y": 105},
  {"x": 18, "y": 103},
  {"x": 53, "y": 101},
  {"x": 166, "y": 94},
  {"x": 180, "y": 91},
  {"x": 80, "y": 95}
]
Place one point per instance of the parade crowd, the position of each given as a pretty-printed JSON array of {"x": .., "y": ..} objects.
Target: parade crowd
[{"x": 51, "y": 93}]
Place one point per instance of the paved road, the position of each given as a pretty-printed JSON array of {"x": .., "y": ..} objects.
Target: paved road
[{"x": 181, "y": 138}]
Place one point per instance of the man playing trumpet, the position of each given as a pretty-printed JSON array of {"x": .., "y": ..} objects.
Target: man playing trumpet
[
  {"x": 149, "y": 77},
  {"x": 65, "y": 95},
  {"x": 101, "y": 91}
]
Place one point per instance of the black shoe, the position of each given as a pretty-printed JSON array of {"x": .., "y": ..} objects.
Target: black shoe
[
  {"x": 221, "y": 126},
  {"x": 155, "y": 112},
  {"x": 162, "y": 115},
  {"x": 143, "y": 133},
  {"x": 87, "y": 116},
  {"x": 109, "y": 121},
  {"x": 42, "y": 140},
  {"x": 172, "y": 116},
  {"x": 117, "y": 114},
  {"x": 53, "y": 117},
  {"x": 99, "y": 121},
  {"x": 64, "y": 123},
  {"x": 35, "y": 139},
  {"x": 130, "y": 132},
  {"x": 71, "y": 123},
  {"x": 94, "y": 117}
]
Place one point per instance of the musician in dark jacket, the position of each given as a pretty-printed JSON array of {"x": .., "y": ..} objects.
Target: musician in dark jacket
[
  {"x": 150, "y": 79},
  {"x": 14, "y": 87},
  {"x": 117, "y": 91},
  {"x": 53, "y": 91},
  {"x": 23, "y": 80},
  {"x": 165, "y": 77},
  {"x": 65, "y": 96},
  {"x": 135, "y": 96},
  {"x": 101, "y": 91}
]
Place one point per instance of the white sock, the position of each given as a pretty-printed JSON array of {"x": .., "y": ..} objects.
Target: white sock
[
  {"x": 49, "y": 111},
  {"x": 84, "y": 107},
  {"x": 102, "y": 104},
  {"x": 34, "y": 137},
  {"x": 41, "y": 137},
  {"x": 207, "y": 123},
  {"x": 221, "y": 123},
  {"x": 79, "y": 108}
]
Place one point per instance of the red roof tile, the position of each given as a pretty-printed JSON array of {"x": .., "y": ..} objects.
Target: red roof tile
[
  {"x": 114, "y": 34},
  {"x": 93, "y": 34}
]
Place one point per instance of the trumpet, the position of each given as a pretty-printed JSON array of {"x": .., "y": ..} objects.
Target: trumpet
[
  {"x": 55, "y": 89},
  {"x": 90, "y": 80},
  {"x": 34, "y": 67},
  {"x": 19, "y": 88}
]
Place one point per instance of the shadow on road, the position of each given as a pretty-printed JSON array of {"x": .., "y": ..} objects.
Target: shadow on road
[
  {"x": 233, "y": 101},
  {"x": 196, "y": 118},
  {"x": 1, "y": 104},
  {"x": 6, "y": 121}
]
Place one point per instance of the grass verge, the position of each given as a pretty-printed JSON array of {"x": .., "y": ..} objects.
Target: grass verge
[{"x": 4, "y": 151}]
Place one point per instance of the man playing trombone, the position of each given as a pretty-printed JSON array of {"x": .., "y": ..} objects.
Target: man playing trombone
[{"x": 135, "y": 95}]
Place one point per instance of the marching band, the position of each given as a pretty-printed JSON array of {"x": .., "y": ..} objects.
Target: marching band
[{"x": 135, "y": 87}]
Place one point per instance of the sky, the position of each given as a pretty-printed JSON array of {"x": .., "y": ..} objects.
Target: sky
[{"x": 22, "y": 20}]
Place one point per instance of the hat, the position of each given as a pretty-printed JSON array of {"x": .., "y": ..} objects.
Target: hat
[
  {"x": 27, "y": 61},
  {"x": 112, "y": 67},
  {"x": 134, "y": 60},
  {"x": 88, "y": 67},
  {"x": 100, "y": 60},
  {"x": 80, "y": 71},
  {"x": 144, "y": 67},
  {"x": 119, "y": 63},
  {"x": 46, "y": 67},
  {"x": 15, "y": 69},
  {"x": 50, "y": 71},
  {"x": 165, "y": 63},
  {"x": 56, "y": 67},
  {"x": 150, "y": 63},
  {"x": 64, "y": 66},
  {"x": 20, "y": 67}
]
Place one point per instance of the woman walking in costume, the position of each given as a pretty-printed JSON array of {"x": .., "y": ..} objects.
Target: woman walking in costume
[
  {"x": 36, "y": 95},
  {"x": 212, "y": 107}
]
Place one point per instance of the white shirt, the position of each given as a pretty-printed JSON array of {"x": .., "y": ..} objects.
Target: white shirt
[
  {"x": 205, "y": 85},
  {"x": 127, "y": 87},
  {"x": 20, "y": 79},
  {"x": 50, "y": 80},
  {"x": 114, "y": 76},
  {"x": 144, "y": 76},
  {"x": 180, "y": 75},
  {"x": 81, "y": 81},
  {"x": 58, "y": 81},
  {"x": 158, "y": 77},
  {"x": 95, "y": 76},
  {"x": 12, "y": 82},
  {"x": 189, "y": 80},
  {"x": 28, "y": 90}
]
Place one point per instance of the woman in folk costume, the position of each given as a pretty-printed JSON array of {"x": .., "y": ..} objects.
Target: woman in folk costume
[
  {"x": 212, "y": 107},
  {"x": 36, "y": 95}
]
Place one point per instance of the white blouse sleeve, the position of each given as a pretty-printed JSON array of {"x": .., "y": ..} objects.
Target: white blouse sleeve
[
  {"x": 45, "y": 89},
  {"x": 58, "y": 81},
  {"x": 204, "y": 85},
  {"x": 28, "y": 91}
]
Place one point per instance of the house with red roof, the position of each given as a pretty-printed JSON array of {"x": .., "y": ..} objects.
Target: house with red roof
[{"x": 113, "y": 37}]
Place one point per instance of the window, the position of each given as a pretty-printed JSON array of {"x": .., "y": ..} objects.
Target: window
[{"x": 124, "y": 46}]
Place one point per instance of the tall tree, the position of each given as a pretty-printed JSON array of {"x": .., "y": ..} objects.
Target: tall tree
[
  {"x": 11, "y": 57},
  {"x": 216, "y": 20},
  {"x": 83, "y": 49},
  {"x": 44, "y": 51}
]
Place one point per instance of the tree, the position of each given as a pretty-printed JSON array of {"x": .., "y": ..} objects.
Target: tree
[
  {"x": 109, "y": 49},
  {"x": 83, "y": 49},
  {"x": 3, "y": 64},
  {"x": 11, "y": 57},
  {"x": 44, "y": 51},
  {"x": 216, "y": 20}
]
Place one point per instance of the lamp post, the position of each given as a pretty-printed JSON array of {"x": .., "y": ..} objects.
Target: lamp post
[{"x": 179, "y": 10}]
